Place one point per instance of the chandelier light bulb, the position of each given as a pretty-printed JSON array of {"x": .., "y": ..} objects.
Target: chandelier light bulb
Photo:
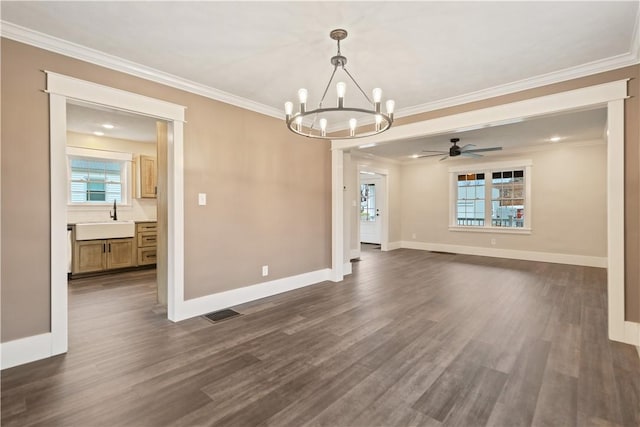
[
  {"x": 323, "y": 126},
  {"x": 378, "y": 121},
  {"x": 352, "y": 126},
  {"x": 341, "y": 89},
  {"x": 377, "y": 94},
  {"x": 288, "y": 108},
  {"x": 299, "y": 122},
  {"x": 302, "y": 96},
  {"x": 390, "y": 106}
]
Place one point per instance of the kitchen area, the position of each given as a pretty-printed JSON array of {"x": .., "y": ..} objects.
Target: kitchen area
[{"x": 112, "y": 184}]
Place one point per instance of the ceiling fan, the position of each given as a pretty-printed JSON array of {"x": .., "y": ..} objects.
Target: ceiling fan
[{"x": 456, "y": 151}]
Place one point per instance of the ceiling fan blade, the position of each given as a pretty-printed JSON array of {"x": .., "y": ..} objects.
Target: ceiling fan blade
[
  {"x": 469, "y": 154},
  {"x": 480, "y": 150},
  {"x": 466, "y": 147},
  {"x": 444, "y": 157},
  {"x": 434, "y": 151},
  {"x": 429, "y": 155}
]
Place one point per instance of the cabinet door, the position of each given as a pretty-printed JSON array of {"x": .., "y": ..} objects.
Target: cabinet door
[
  {"x": 89, "y": 256},
  {"x": 120, "y": 253},
  {"x": 148, "y": 177}
]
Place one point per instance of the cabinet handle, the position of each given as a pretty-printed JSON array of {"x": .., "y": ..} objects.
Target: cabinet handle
[
  {"x": 109, "y": 247},
  {"x": 104, "y": 247}
]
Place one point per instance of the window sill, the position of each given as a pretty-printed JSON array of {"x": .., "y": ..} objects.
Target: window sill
[
  {"x": 97, "y": 207},
  {"x": 499, "y": 230}
]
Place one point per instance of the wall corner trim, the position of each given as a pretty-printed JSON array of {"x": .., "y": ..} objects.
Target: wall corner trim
[
  {"x": 392, "y": 246},
  {"x": 214, "y": 302},
  {"x": 25, "y": 350}
]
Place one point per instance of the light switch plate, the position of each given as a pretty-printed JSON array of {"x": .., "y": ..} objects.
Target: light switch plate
[{"x": 202, "y": 199}]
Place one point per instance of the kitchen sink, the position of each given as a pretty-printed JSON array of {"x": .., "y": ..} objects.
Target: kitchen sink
[{"x": 105, "y": 230}]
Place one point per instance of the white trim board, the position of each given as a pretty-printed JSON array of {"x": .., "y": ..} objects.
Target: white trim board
[
  {"x": 585, "y": 260},
  {"x": 25, "y": 350},
  {"x": 77, "y": 51},
  {"x": 211, "y": 303}
]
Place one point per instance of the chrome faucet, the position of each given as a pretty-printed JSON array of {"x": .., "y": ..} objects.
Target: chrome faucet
[{"x": 114, "y": 215}]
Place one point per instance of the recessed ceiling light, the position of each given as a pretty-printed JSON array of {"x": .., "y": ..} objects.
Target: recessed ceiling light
[
  {"x": 107, "y": 126},
  {"x": 98, "y": 133},
  {"x": 555, "y": 139},
  {"x": 414, "y": 156}
]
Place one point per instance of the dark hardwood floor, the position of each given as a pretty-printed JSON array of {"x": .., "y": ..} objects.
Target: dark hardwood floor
[{"x": 411, "y": 338}]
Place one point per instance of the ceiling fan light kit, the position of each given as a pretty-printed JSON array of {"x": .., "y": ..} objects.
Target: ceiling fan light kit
[
  {"x": 455, "y": 151},
  {"x": 378, "y": 121}
]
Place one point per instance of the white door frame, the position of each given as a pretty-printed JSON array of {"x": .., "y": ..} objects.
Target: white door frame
[
  {"x": 611, "y": 95},
  {"x": 61, "y": 88},
  {"x": 384, "y": 206}
]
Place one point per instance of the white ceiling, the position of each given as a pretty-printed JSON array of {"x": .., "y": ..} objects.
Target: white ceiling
[
  {"x": 419, "y": 53},
  {"x": 87, "y": 119},
  {"x": 570, "y": 127}
]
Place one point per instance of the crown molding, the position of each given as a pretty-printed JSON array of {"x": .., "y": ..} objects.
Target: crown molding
[
  {"x": 584, "y": 70},
  {"x": 77, "y": 51},
  {"x": 83, "y": 53}
]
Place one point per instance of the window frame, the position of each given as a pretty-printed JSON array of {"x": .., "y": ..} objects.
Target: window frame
[
  {"x": 488, "y": 169},
  {"x": 125, "y": 160}
]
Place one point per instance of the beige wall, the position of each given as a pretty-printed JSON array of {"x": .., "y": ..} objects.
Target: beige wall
[
  {"x": 632, "y": 161},
  {"x": 568, "y": 208},
  {"x": 268, "y": 190}
]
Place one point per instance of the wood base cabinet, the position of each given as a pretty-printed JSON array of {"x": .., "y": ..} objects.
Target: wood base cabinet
[
  {"x": 147, "y": 233},
  {"x": 98, "y": 255}
]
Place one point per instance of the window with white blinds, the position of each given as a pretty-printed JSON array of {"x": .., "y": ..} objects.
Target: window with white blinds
[
  {"x": 97, "y": 177},
  {"x": 96, "y": 181}
]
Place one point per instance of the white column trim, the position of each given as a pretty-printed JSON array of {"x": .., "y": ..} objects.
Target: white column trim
[
  {"x": 337, "y": 215},
  {"x": 615, "y": 220}
]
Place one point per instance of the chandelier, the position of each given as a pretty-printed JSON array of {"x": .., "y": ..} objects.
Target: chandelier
[{"x": 313, "y": 123}]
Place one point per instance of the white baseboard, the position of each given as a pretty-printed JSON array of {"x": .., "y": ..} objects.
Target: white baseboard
[
  {"x": 210, "y": 303},
  {"x": 25, "y": 350},
  {"x": 588, "y": 261},
  {"x": 346, "y": 268},
  {"x": 354, "y": 253},
  {"x": 394, "y": 245}
]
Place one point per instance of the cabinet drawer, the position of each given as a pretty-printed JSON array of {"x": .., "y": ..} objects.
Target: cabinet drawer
[
  {"x": 146, "y": 226},
  {"x": 146, "y": 256},
  {"x": 147, "y": 239}
]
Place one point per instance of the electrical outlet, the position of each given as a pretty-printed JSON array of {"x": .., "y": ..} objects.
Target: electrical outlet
[
  {"x": 202, "y": 199},
  {"x": 493, "y": 242},
  {"x": 413, "y": 236},
  {"x": 265, "y": 270}
]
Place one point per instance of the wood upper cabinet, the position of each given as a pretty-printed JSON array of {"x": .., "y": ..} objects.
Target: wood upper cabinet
[
  {"x": 97, "y": 255},
  {"x": 148, "y": 177}
]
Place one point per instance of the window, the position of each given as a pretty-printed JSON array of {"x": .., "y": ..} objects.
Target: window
[
  {"x": 491, "y": 197},
  {"x": 470, "y": 205},
  {"x": 367, "y": 202},
  {"x": 97, "y": 177},
  {"x": 507, "y": 199}
]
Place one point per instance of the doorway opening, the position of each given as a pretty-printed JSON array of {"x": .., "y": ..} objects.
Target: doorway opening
[
  {"x": 61, "y": 89},
  {"x": 116, "y": 169},
  {"x": 371, "y": 202}
]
